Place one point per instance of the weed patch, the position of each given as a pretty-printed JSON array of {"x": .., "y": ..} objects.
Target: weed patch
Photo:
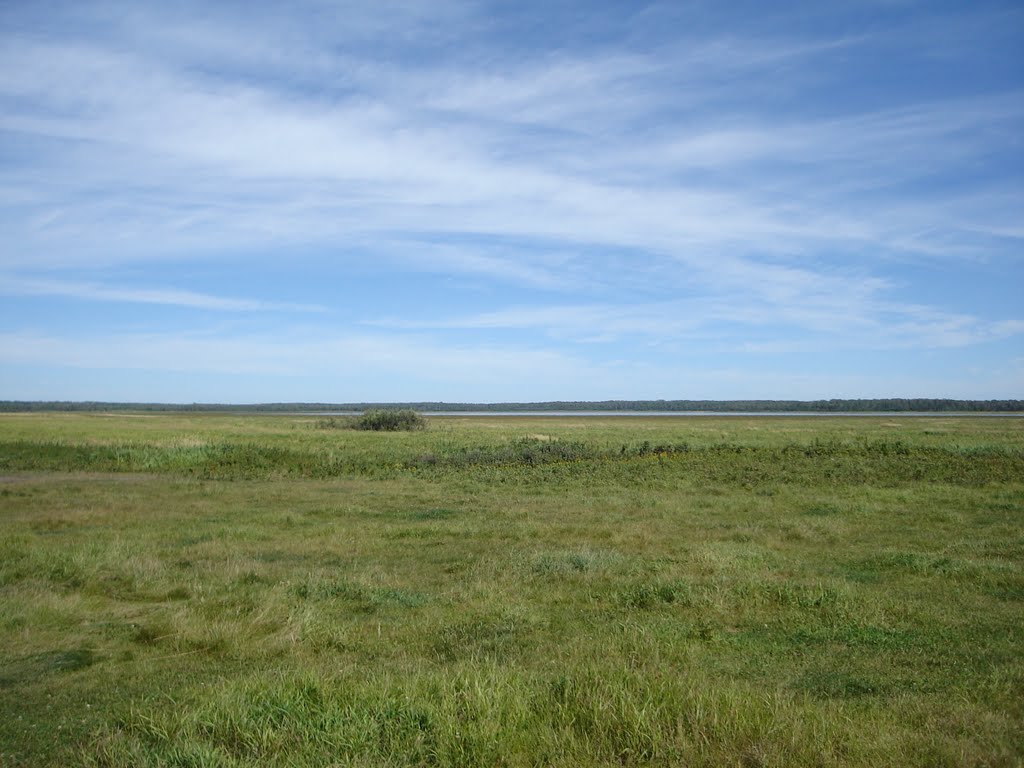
[
  {"x": 560, "y": 563},
  {"x": 488, "y": 637},
  {"x": 830, "y": 684},
  {"x": 363, "y": 597},
  {"x": 647, "y": 595}
]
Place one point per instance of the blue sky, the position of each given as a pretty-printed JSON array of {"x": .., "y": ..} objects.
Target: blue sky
[{"x": 473, "y": 201}]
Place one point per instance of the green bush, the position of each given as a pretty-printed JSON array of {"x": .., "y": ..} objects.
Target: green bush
[{"x": 402, "y": 420}]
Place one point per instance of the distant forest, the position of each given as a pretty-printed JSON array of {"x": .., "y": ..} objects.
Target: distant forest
[{"x": 884, "y": 405}]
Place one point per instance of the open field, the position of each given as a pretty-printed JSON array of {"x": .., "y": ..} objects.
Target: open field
[{"x": 201, "y": 590}]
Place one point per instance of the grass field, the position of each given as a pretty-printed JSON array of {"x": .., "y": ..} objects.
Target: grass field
[{"x": 182, "y": 590}]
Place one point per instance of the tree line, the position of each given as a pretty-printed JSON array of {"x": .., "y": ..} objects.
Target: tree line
[{"x": 877, "y": 405}]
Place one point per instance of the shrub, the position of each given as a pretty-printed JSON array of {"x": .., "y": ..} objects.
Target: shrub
[{"x": 405, "y": 419}]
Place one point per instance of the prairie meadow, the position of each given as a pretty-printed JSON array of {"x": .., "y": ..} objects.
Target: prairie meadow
[{"x": 233, "y": 590}]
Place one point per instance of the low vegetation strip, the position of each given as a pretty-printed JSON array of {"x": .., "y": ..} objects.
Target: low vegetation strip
[{"x": 879, "y": 461}]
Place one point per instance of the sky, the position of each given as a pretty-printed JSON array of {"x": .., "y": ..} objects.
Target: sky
[{"x": 241, "y": 202}]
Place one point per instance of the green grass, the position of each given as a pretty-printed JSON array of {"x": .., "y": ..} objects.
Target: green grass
[{"x": 200, "y": 590}]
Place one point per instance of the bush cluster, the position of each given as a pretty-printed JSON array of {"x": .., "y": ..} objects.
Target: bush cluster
[
  {"x": 402, "y": 420},
  {"x": 378, "y": 420}
]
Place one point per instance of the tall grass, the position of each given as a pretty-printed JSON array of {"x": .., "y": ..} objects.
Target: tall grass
[{"x": 488, "y": 716}]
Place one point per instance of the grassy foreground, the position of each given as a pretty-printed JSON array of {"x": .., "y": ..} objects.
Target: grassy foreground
[{"x": 239, "y": 591}]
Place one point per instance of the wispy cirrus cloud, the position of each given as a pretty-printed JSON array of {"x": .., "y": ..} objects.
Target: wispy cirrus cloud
[
  {"x": 236, "y": 158},
  {"x": 757, "y": 326},
  {"x": 16, "y": 286},
  {"x": 343, "y": 357}
]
